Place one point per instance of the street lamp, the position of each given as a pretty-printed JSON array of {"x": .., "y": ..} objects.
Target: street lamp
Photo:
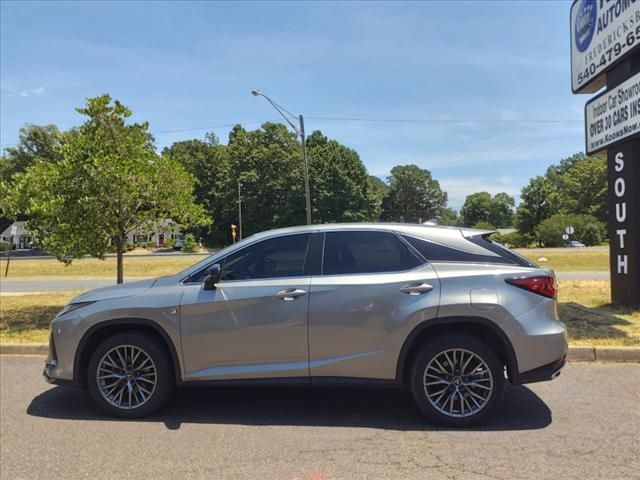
[{"x": 300, "y": 132}]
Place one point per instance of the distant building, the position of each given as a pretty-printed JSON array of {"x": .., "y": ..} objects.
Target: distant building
[
  {"x": 159, "y": 234},
  {"x": 23, "y": 237}
]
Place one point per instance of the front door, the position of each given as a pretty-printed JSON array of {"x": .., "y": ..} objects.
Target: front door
[{"x": 254, "y": 324}]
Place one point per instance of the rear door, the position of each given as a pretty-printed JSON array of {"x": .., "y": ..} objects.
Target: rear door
[{"x": 374, "y": 289}]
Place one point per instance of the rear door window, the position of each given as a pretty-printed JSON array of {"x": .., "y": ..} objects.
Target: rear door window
[{"x": 366, "y": 252}]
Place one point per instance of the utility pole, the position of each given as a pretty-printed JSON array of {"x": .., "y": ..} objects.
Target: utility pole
[
  {"x": 239, "y": 212},
  {"x": 306, "y": 170}
]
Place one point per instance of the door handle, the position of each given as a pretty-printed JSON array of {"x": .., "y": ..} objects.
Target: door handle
[
  {"x": 416, "y": 288},
  {"x": 289, "y": 294}
]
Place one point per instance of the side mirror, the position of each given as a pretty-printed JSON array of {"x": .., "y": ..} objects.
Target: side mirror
[{"x": 213, "y": 277}]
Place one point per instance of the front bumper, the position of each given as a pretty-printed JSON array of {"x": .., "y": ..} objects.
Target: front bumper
[
  {"x": 49, "y": 375},
  {"x": 540, "y": 374}
]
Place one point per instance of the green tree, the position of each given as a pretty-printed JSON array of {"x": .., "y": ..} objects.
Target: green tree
[
  {"x": 582, "y": 189},
  {"x": 379, "y": 189},
  {"x": 268, "y": 164},
  {"x": 339, "y": 183},
  {"x": 540, "y": 200},
  {"x": 36, "y": 142},
  {"x": 413, "y": 195},
  {"x": 208, "y": 162},
  {"x": 448, "y": 217},
  {"x": 109, "y": 182},
  {"x": 482, "y": 207}
]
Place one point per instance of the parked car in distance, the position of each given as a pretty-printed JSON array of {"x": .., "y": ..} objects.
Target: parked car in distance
[
  {"x": 443, "y": 311},
  {"x": 574, "y": 244}
]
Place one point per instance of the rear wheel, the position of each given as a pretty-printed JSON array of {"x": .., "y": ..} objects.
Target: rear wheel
[
  {"x": 130, "y": 375},
  {"x": 457, "y": 380}
]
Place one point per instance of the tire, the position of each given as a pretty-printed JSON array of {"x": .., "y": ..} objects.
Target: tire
[
  {"x": 137, "y": 389},
  {"x": 471, "y": 395}
]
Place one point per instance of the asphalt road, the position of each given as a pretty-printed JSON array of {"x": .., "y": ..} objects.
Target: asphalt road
[
  {"x": 584, "y": 425},
  {"x": 23, "y": 285}
]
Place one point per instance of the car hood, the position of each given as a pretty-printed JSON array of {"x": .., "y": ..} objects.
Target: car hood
[{"x": 116, "y": 291}]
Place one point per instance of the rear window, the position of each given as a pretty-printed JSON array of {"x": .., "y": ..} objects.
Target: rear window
[
  {"x": 485, "y": 241},
  {"x": 437, "y": 252}
]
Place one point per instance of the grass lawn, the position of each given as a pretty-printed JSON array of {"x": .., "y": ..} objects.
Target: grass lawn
[
  {"x": 584, "y": 308},
  {"x": 569, "y": 259},
  {"x": 149, "y": 266}
]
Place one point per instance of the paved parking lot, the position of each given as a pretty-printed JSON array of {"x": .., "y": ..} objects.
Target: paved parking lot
[{"x": 584, "y": 425}]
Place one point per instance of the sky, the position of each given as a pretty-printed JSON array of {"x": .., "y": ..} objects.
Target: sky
[{"x": 476, "y": 92}]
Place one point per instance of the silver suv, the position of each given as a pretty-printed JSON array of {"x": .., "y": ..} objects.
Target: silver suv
[{"x": 443, "y": 311}]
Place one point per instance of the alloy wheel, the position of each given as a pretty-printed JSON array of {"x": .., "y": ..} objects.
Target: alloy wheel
[
  {"x": 458, "y": 382},
  {"x": 126, "y": 377}
]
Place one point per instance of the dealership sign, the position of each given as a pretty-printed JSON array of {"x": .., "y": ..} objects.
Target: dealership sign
[
  {"x": 602, "y": 32},
  {"x": 613, "y": 116}
]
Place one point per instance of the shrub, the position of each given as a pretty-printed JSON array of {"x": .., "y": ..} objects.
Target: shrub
[
  {"x": 169, "y": 243},
  {"x": 129, "y": 246},
  {"x": 482, "y": 225},
  {"x": 190, "y": 245},
  {"x": 588, "y": 230},
  {"x": 514, "y": 239},
  {"x": 4, "y": 246},
  {"x": 149, "y": 245}
]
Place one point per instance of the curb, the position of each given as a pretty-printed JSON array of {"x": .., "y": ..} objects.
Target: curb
[
  {"x": 576, "y": 353},
  {"x": 24, "y": 348}
]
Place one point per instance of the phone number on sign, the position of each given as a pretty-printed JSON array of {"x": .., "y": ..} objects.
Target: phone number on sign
[{"x": 612, "y": 53}]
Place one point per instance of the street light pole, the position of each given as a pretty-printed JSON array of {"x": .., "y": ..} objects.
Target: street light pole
[
  {"x": 301, "y": 134},
  {"x": 239, "y": 212}
]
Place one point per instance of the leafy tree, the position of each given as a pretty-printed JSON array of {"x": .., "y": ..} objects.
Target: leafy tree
[
  {"x": 378, "y": 191},
  {"x": 109, "y": 182},
  {"x": 208, "y": 162},
  {"x": 482, "y": 207},
  {"x": 448, "y": 217},
  {"x": 413, "y": 195},
  {"x": 539, "y": 201},
  {"x": 340, "y": 188},
  {"x": 36, "y": 142},
  {"x": 582, "y": 189},
  {"x": 268, "y": 164}
]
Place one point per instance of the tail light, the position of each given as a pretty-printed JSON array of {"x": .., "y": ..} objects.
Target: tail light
[{"x": 544, "y": 285}]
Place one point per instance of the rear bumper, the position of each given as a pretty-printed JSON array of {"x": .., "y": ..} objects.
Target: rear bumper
[{"x": 540, "y": 374}]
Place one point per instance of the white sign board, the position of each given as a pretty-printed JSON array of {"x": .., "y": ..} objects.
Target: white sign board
[
  {"x": 602, "y": 33},
  {"x": 613, "y": 115}
]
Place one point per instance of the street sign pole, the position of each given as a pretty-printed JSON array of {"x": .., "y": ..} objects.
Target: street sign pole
[{"x": 623, "y": 170}]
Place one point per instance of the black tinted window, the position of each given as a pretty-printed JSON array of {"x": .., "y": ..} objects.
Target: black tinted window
[
  {"x": 436, "y": 252},
  {"x": 366, "y": 252},
  {"x": 273, "y": 258}
]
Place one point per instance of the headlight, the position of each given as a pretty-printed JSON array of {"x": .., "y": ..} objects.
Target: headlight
[{"x": 73, "y": 306}]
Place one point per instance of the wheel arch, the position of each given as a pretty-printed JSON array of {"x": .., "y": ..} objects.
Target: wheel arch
[
  {"x": 99, "y": 332},
  {"x": 480, "y": 327}
]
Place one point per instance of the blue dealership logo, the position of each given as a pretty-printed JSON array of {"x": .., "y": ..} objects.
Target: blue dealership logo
[{"x": 585, "y": 24}]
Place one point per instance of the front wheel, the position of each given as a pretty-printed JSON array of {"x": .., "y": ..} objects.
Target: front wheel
[
  {"x": 457, "y": 380},
  {"x": 129, "y": 375}
]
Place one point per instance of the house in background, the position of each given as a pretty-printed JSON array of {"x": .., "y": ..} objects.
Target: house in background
[
  {"x": 159, "y": 234},
  {"x": 22, "y": 238}
]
